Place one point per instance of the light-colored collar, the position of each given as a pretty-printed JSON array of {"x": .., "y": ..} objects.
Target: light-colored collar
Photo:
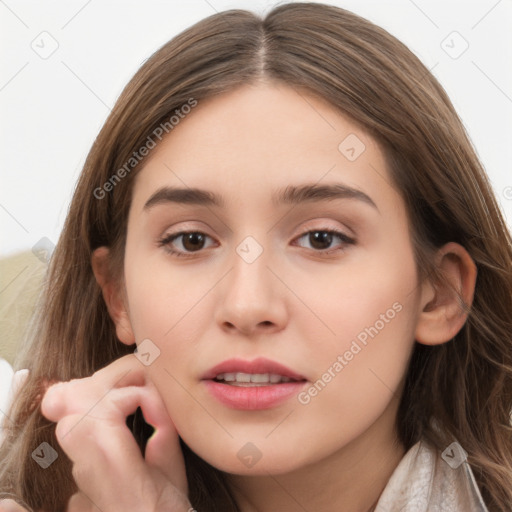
[{"x": 429, "y": 481}]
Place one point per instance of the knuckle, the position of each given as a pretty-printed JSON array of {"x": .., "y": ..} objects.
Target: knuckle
[
  {"x": 68, "y": 431},
  {"x": 8, "y": 505},
  {"x": 78, "y": 503}
]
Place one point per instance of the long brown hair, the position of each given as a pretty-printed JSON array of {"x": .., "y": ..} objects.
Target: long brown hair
[{"x": 465, "y": 385}]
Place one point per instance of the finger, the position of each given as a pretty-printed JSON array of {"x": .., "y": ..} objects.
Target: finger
[
  {"x": 163, "y": 450},
  {"x": 11, "y": 506},
  {"x": 91, "y": 428},
  {"x": 108, "y": 467},
  {"x": 104, "y": 452},
  {"x": 79, "y": 394},
  {"x": 124, "y": 371},
  {"x": 79, "y": 502},
  {"x": 77, "y": 433}
]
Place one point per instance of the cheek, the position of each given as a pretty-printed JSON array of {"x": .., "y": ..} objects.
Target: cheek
[
  {"x": 369, "y": 299},
  {"x": 170, "y": 307},
  {"x": 362, "y": 371},
  {"x": 166, "y": 301},
  {"x": 369, "y": 312}
]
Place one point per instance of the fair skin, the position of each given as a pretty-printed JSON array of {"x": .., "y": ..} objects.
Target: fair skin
[{"x": 294, "y": 304}]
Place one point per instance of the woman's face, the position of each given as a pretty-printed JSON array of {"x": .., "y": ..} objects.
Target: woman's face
[{"x": 299, "y": 255}]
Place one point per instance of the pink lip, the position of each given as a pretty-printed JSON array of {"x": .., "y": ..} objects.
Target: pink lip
[{"x": 254, "y": 397}]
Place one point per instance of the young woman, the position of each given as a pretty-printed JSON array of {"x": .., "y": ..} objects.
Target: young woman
[{"x": 286, "y": 217}]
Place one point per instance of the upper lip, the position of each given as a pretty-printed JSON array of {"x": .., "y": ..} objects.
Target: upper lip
[{"x": 260, "y": 365}]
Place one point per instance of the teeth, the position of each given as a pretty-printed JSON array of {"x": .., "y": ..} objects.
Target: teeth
[
  {"x": 243, "y": 377},
  {"x": 260, "y": 378},
  {"x": 256, "y": 378}
]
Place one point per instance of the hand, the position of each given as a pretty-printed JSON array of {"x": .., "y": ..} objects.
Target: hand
[
  {"x": 108, "y": 467},
  {"x": 11, "y": 506}
]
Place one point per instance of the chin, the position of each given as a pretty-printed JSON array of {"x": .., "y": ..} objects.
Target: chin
[{"x": 251, "y": 460}]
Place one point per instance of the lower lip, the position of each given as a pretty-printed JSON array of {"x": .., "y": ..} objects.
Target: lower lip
[{"x": 253, "y": 398}]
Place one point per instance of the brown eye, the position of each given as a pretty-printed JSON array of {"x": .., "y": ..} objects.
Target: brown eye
[
  {"x": 193, "y": 241},
  {"x": 185, "y": 243},
  {"x": 320, "y": 239},
  {"x": 325, "y": 240}
]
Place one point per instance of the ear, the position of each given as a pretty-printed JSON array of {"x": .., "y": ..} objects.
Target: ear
[
  {"x": 113, "y": 295},
  {"x": 442, "y": 314}
]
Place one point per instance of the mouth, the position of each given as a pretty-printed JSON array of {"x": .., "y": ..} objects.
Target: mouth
[
  {"x": 251, "y": 379},
  {"x": 252, "y": 385}
]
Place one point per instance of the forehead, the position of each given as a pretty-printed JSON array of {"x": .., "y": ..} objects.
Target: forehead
[{"x": 256, "y": 139}]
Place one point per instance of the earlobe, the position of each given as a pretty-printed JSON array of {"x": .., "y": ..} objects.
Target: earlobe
[
  {"x": 444, "y": 307},
  {"x": 112, "y": 295}
]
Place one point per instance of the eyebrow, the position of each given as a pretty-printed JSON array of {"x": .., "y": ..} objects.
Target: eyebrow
[{"x": 289, "y": 195}]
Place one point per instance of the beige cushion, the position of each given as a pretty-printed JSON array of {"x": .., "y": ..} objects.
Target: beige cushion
[{"x": 21, "y": 278}]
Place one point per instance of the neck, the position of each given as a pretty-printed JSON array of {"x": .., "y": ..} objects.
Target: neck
[{"x": 350, "y": 479}]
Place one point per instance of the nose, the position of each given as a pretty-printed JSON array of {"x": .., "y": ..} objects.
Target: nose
[{"x": 252, "y": 300}]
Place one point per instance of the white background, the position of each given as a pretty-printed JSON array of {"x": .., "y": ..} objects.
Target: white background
[{"x": 51, "y": 109}]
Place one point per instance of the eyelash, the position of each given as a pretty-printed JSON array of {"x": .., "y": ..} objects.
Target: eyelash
[{"x": 345, "y": 240}]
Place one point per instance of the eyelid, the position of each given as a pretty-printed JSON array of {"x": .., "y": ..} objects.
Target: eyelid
[{"x": 325, "y": 224}]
